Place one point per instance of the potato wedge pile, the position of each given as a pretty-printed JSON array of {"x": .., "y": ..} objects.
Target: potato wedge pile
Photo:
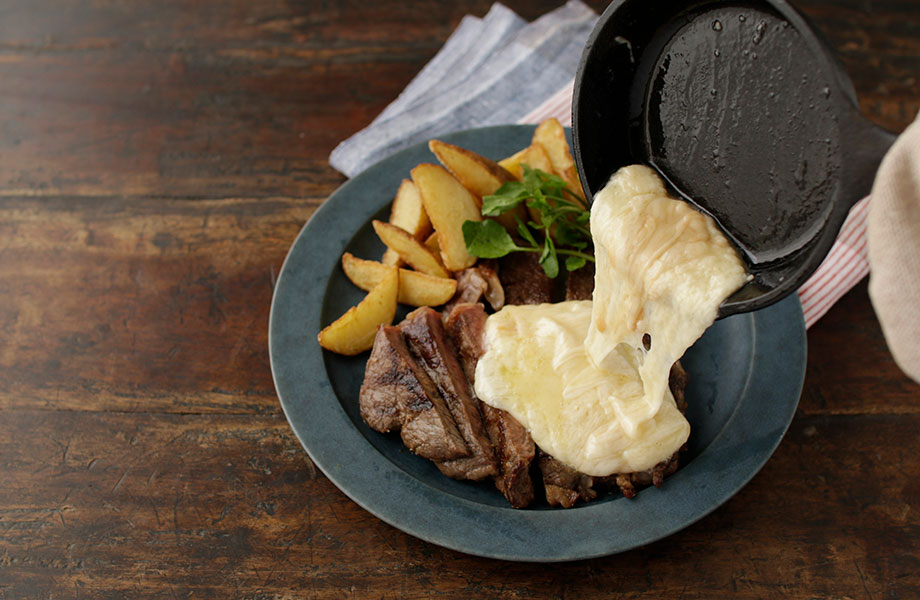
[{"x": 424, "y": 238}]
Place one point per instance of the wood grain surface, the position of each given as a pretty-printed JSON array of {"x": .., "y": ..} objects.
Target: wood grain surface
[{"x": 157, "y": 160}]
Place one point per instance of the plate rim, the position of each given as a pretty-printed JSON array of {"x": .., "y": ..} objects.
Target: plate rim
[{"x": 471, "y": 527}]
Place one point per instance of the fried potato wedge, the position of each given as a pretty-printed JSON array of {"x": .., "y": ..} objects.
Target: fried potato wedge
[
  {"x": 354, "y": 332},
  {"x": 432, "y": 244},
  {"x": 409, "y": 249},
  {"x": 448, "y": 204},
  {"x": 415, "y": 288},
  {"x": 482, "y": 176},
  {"x": 407, "y": 212},
  {"x": 551, "y": 136},
  {"x": 534, "y": 156},
  {"x": 479, "y": 174},
  {"x": 392, "y": 259}
]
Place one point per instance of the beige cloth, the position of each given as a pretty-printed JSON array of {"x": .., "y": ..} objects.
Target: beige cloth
[{"x": 894, "y": 249}]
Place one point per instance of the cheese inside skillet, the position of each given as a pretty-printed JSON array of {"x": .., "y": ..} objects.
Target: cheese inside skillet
[{"x": 576, "y": 374}]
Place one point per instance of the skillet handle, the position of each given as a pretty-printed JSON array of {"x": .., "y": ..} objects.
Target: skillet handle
[{"x": 865, "y": 145}]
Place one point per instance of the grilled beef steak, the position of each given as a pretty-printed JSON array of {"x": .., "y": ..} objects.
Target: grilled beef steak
[
  {"x": 523, "y": 279},
  {"x": 677, "y": 382},
  {"x": 466, "y": 324},
  {"x": 398, "y": 394},
  {"x": 580, "y": 283},
  {"x": 428, "y": 342},
  {"x": 564, "y": 485},
  {"x": 514, "y": 448}
]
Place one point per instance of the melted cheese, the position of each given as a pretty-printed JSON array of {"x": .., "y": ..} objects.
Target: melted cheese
[
  {"x": 537, "y": 369},
  {"x": 576, "y": 374}
]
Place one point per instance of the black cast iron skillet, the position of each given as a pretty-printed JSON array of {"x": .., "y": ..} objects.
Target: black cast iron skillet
[{"x": 746, "y": 112}]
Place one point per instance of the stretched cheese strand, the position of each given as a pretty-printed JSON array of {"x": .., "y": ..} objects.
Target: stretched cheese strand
[{"x": 662, "y": 269}]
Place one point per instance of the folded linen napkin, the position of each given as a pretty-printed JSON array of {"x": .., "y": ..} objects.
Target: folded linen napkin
[
  {"x": 894, "y": 249},
  {"x": 500, "y": 69},
  {"x": 491, "y": 71}
]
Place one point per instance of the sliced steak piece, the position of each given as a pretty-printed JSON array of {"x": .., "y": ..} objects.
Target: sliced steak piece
[
  {"x": 515, "y": 451},
  {"x": 397, "y": 394},
  {"x": 655, "y": 476},
  {"x": 474, "y": 468},
  {"x": 383, "y": 396},
  {"x": 580, "y": 283},
  {"x": 564, "y": 485},
  {"x": 434, "y": 436},
  {"x": 523, "y": 279},
  {"x": 678, "y": 379},
  {"x": 466, "y": 327},
  {"x": 427, "y": 340},
  {"x": 628, "y": 482},
  {"x": 514, "y": 448}
]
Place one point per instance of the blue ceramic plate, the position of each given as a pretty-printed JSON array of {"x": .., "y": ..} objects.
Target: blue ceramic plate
[{"x": 746, "y": 378}]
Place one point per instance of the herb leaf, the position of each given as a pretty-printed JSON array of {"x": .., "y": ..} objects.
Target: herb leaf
[
  {"x": 505, "y": 198},
  {"x": 487, "y": 239},
  {"x": 548, "y": 259},
  {"x": 567, "y": 235},
  {"x": 560, "y": 222},
  {"x": 525, "y": 233},
  {"x": 573, "y": 263}
]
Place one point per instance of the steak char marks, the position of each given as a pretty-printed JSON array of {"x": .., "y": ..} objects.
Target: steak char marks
[
  {"x": 514, "y": 448},
  {"x": 427, "y": 340},
  {"x": 466, "y": 327},
  {"x": 515, "y": 451},
  {"x": 397, "y": 394}
]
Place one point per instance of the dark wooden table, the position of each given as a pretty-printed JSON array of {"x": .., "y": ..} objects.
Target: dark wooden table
[{"x": 157, "y": 159}]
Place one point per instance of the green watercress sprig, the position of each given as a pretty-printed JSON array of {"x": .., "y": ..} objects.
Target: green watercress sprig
[{"x": 560, "y": 210}]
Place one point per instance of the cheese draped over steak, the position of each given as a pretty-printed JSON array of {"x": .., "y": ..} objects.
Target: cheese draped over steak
[{"x": 577, "y": 374}]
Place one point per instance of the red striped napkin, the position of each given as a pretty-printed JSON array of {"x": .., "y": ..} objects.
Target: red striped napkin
[{"x": 845, "y": 265}]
